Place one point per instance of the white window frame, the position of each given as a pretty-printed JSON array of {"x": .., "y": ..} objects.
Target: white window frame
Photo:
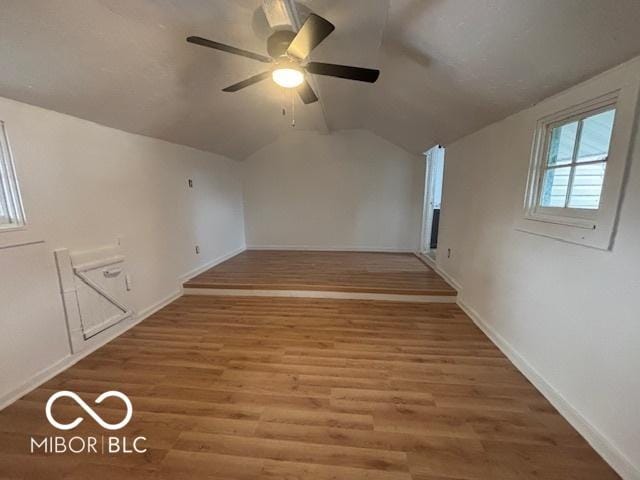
[
  {"x": 429, "y": 190},
  {"x": 573, "y": 214},
  {"x": 590, "y": 227},
  {"x": 9, "y": 189}
]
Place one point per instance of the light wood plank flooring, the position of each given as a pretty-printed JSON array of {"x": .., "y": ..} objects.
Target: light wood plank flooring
[
  {"x": 363, "y": 272},
  {"x": 293, "y": 388}
]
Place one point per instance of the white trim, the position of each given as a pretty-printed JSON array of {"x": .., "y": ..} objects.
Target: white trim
[
  {"x": 539, "y": 163},
  {"x": 61, "y": 365},
  {"x": 427, "y": 260},
  {"x": 20, "y": 244},
  {"x": 430, "y": 262},
  {"x": 151, "y": 309},
  {"x": 601, "y": 444},
  {"x": 126, "y": 311},
  {"x": 72, "y": 267},
  {"x": 51, "y": 371},
  {"x": 9, "y": 186},
  {"x": 94, "y": 265},
  {"x": 450, "y": 280},
  {"x": 12, "y": 227},
  {"x": 427, "y": 203},
  {"x": 598, "y": 230},
  {"x": 35, "y": 381},
  {"x": 435, "y": 153},
  {"x": 212, "y": 263},
  {"x": 329, "y": 248},
  {"x": 95, "y": 330},
  {"x": 386, "y": 297}
]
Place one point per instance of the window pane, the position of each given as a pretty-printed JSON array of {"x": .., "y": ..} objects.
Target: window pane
[
  {"x": 587, "y": 186},
  {"x": 10, "y": 212},
  {"x": 596, "y": 136},
  {"x": 554, "y": 187},
  {"x": 562, "y": 143},
  {"x": 4, "y": 209},
  {"x": 4, "y": 213}
]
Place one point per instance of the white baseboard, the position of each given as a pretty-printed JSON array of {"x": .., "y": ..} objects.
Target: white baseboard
[
  {"x": 385, "y": 297},
  {"x": 601, "y": 444},
  {"x": 426, "y": 259},
  {"x": 51, "y": 371},
  {"x": 448, "y": 278},
  {"x": 216, "y": 261},
  {"x": 61, "y": 365},
  {"x": 150, "y": 310},
  {"x": 329, "y": 248},
  {"x": 36, "y": 380}
]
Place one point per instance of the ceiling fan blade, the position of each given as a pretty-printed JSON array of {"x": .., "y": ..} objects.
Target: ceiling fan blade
[
  {"x": 249, "y": 81},
  {"x": 310, "y": 35},
  {"x": 306, "y": 93},
  {"x": 228, "y": 48},
  {"x": 343, "y": 71}
]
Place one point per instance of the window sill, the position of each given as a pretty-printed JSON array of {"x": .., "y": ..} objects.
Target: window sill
[
  {"x": 559, "y": 220},
  {"x": 586, "y": 234},
  {"x": 12, "y": 235},
  {"x": 12, "y": 227}
]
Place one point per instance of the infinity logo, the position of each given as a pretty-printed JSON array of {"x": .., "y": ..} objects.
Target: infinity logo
[{"x": 89, "y": 410}]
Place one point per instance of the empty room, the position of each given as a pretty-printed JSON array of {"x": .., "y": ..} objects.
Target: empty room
[{"x": 320, "y": 239}]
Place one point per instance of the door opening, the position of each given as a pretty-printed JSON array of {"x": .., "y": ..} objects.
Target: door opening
[{"x": 434, "y": 177}]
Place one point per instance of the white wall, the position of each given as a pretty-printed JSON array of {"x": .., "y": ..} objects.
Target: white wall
[
  {"x": 346, "y": 190},
  {"x": 83, "y": 185},
  {"x": 567, "y": 314}
]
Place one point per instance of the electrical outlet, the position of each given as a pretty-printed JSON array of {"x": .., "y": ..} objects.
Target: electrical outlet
[
  {"x": 197, "y": 249},
  {"x": 190, "y": 183},
  {"x": 448, "y": 253}
]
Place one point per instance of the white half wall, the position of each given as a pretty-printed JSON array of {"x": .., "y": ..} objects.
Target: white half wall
[
  {"x": 345, "y": 190},
  {"x": 84, "y": 185},
  {"x": 568, "y": 315}
]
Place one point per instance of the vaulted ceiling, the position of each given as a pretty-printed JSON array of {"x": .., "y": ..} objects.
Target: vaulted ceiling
[{"x": 449, "y": 67}]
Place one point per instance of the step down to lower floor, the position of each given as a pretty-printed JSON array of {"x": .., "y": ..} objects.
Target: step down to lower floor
[{"x": 390, "y": 297}]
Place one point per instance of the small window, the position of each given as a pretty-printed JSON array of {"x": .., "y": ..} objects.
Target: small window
[
  {"x": 11, "y": 213},
  {"x": 576, "y": 161}
]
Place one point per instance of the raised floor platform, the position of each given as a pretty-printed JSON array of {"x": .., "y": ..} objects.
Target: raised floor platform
[{"x": 354, "y": 275}]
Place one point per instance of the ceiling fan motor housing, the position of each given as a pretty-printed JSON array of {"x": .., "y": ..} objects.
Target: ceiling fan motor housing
[
  {"x": 278, "y": 42},
  {"x": 288, "y": 51}
]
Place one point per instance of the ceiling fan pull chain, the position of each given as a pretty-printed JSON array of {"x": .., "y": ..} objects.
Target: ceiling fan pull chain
[
  {"x": 293, "y": 110},
  {"x": 283, "y": 102}
]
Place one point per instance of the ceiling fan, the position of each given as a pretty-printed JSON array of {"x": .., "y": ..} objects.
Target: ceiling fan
[{"x": 288, "y": 51}]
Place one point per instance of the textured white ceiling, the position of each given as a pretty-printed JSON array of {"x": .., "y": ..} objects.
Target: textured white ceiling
[
  {"x": 448, "y": 67},
  {"x": 454, "y": 66}
]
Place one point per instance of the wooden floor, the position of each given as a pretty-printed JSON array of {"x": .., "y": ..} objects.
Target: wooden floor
[
  {"x": 386, "y": 273},
  {"x": 262, "y": 388}
]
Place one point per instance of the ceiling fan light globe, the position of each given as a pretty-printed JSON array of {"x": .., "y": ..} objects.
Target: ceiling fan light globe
[{"x": 288, "y": 77}]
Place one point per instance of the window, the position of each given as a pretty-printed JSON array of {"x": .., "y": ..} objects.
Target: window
[
  {"x": 11, "y": 213},
  {"x": 576, "y": 161},
  {"x": 578, "y": 165}
]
